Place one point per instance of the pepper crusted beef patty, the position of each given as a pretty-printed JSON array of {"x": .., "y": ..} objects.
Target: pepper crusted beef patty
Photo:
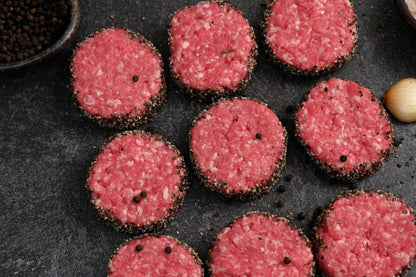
[
  {"x": 213, "y": 50},
  {"x": 138, "y": 181},
  {"x": 344, "y": 129},
  {"x": 117, "y": 78}
]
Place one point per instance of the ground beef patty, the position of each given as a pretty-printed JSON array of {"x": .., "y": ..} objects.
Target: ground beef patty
[
  {"x": 260, "y": 244},
  {"x": 155, "y": 256},
  {"x": 238, "y": 147},
  {"x": 138, "y": 181},
  {"x": 117, "y": 78},
  {"x": 310, "y": 36},
  {"x": 366, "y": 234},
  {"x": 213, "y": 50},
  {"x": 344, "y": 129}
]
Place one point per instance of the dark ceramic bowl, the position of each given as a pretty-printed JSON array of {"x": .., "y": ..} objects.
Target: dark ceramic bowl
[
  {"x": 405, "y": 13},
  {"x": 54, "y": 48}
]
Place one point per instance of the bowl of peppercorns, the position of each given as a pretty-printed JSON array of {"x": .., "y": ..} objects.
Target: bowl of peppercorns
[{"x": 32, "y": 30}]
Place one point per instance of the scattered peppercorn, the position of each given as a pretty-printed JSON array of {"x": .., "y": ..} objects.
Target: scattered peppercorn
[
  {"x": 135, "y": 78},
  {"x": 136, "y": 199},
  {"x": 289, "y": 109},
  {"x": 139, "y": 247},
  {"x": 288, "y": 177},
  {"x": 143, "y": 193},
  {"x": 28, "y": 27},
  {"x": 399, "y": 165},
  {"x": 281, "y": 188},
  {"x": 301, "y": 216},
  {"x": 280, "y": 203},
  {"x": 286, "y": 260},
  {"x": 343, "y": 158},
  {"x": 168, "y": 250},
  {"x": 258, "y": 136}
]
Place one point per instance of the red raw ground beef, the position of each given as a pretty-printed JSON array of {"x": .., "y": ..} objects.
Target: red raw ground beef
[
  {"x": 138, "y": 181},
  {"x": 117, "y": 78},
  {"x": 311, "y": 36},
  {"x": 345, "y": 129},
  {"x": 155, "y": 256},
  {"x": 368, "y": 233},
  {"x": 259, "y": 244},
  {"x": 213, "y": 49},
  {"x": 238, "y": 147}
]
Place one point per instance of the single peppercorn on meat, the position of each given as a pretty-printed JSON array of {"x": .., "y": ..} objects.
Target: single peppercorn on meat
[
  {"x": 155, "y": 255},
  {"x": 344, "y": 129},
  {"x": 137, "y": 182}
]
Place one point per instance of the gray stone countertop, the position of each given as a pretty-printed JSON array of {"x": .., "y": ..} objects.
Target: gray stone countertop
[{"x": 49, "y": 228}]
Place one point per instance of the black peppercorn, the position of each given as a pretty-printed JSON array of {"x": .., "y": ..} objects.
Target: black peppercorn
[
  {"x": 139, "y": 248},
  {"x": 143, "y": 194},
  {"x": 286, "y": 260},
  {"x": 168, "y": 250},
  {"x": 258, "y": 136},
  {"x": 136, "y": 199},
  {"x": 343, "y": 158},
  {"x": 135, "y": 78}
]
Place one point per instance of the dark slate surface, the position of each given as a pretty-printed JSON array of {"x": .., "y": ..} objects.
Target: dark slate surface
[{"x": 48, "y": 227}]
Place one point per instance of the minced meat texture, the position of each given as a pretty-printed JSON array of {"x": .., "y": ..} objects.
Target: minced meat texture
[
  {"x": 368, "y": 234},
  {"x": 261, "y": 245},
  {"x": 104, "y": 69},
  {"x": 153, "y": 259},
  {"x": 344, "y": 126},
  {"x": 211, "y": 45},
  {"x": 311, "y": 34},
  {"x": 134, "y": 165},
  {"x": 239, "y": 143}
]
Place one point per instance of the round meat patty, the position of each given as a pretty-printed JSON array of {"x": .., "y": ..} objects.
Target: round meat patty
[
  {"x": 238, "y": 148},
  {"x": 137, "y": 182},
  {"x": 344, "y": 129},
  {"x": 155, "y": 256},
  {"x": 117, "y": 78},
  {"x": 260, "y": 244},
  {"x": 213, "y": 50},
  {"x": 310, "y": 37},
  {"x": 366, "y": 233}
]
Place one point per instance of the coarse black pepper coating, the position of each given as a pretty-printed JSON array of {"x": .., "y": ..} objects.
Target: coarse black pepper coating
[
  {"x": 139, "y": 247},
  {"x": 28, "y": 27}
]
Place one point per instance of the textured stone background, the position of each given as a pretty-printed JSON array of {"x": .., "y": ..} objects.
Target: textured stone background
[{"x": 48, "y": 227}]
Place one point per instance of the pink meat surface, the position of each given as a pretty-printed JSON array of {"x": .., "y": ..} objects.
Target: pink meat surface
[
  {"x": 226, "y": 148},
  {"x": 367, "y": 235},
  {"x": 311, "y": 34},
  {"x": 340, "y": 118},
  {"x": 257, "y": 245},
  {"x": 129, "y": 165},
  {"x": 211, "y": 44},
  {"x": 152, "y": 259},
  {"x": 103, "y": 69}
]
